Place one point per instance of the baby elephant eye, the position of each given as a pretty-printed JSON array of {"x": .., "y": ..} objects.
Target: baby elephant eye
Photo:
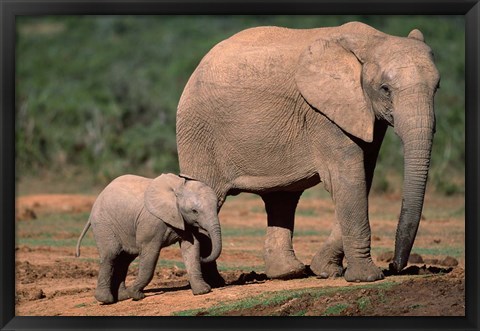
[
  {"x": 195, "y": 211},
  {"x": 385, "y": 89}
]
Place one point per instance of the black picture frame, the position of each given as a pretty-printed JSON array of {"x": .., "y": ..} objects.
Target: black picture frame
[{"x": 10, "y": 9}]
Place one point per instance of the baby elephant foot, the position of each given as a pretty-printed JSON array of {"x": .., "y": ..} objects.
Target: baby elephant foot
[
  {"x": 326, "y": 268},
  {"x": 104, "y": 296},
  {"x": 123, "y": 294},
  {"x": 211, "y": 275},
  {"x": 363, "y": 272},
  {"x": 135, "y": 294},
  {"x": 200, "y": 287}
]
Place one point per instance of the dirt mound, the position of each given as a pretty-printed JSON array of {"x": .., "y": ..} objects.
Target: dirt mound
[
  {"x": 31, "y": 206},
  {"x": 426, "y": 296},
  {"x": 28, "y": 273}
]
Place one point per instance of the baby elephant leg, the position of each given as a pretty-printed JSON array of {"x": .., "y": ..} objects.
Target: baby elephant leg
[
  {"x": 108, "y": 251},
  {"x": 103, "y": 292},
  {"x": 147, "y": 261},
  {"x": 121, "y": 274},
  {"x": 191, "y": 258}
]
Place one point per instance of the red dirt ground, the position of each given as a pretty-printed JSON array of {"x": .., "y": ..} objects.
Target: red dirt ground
[{"x": 50, "y": 281}]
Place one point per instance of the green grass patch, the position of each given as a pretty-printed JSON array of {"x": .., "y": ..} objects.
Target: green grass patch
[
  {"x": 300, "y": 313},
  {"x": 416, "y": 306},
  {"x": 307, "y": 212},
  {"x": 54, "y": 230},
  {"x": 335, "y": 309},
  {"x": 440, "y": 251},
  {"x": 260, "y": 232},
  {"x": 243, "y": 232},
  {"x": 456, "y": 251},
  {"x": 275, "y": 298},
  {"x": 81, "y": 305},
  {"x": 52, "y": 242},
  {"x": 53, "y": 224},
  {"x": 435, "y": 213},
  {"x": 170, "y": 264},
  {"x": 317, "y": 192},
  {"x": 363, "y": 303},
  {"x": 246, "y": 268}
]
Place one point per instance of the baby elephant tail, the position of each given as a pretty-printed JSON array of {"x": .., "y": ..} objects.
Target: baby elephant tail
[{"x": 85, "y": 229}]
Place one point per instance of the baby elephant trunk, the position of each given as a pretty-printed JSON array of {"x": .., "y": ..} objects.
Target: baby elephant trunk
[{"x": 216, "y": 238}]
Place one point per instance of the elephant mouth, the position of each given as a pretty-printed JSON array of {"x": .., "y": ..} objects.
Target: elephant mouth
[{"x": 203, "y": 231}]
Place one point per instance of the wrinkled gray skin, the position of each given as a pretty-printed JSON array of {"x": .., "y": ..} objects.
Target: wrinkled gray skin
[
  {"x": 136, "y": 216},
  {"x": 274, "y": 111}
]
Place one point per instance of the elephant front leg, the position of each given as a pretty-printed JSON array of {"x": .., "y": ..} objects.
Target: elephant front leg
[
  {"x": 209, "y": 270},
  {"x": 280, "y": 259},
  {"x": 191, "y": 258},
  {"x": 351, "y": 206},
  {"x": 328, "y": 262}
]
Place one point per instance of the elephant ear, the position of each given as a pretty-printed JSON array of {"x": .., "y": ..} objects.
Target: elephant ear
[
  {"x": 161, "y": 199},
  {"x": 329, "y": 78},
  {"x": 416, "y": 34}
]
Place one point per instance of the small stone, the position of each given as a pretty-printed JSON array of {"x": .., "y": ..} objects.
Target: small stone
[
  {"x": 38, "y": 294},
  {"x": 431, "y": 261},
  {"x": 385, "y": 257},
  {"x": 449, "y": 262},
  {"x": 415, "y": 258}
]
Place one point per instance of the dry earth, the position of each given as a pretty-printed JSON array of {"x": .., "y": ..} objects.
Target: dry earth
[{"x": 50, "y": 281}]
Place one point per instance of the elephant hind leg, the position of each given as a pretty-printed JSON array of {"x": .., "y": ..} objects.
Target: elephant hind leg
[
  {"x": 280, "y": 259},
  {"x": 103, "y": 292},
  {"x": 149, "y": 254},
  {"x": 108, "y": 251},
  {"x": 328, "y": 261},
  {"x": 119, "y": 289}
]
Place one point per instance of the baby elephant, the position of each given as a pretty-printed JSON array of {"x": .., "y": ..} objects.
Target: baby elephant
[{"x": 136, "y": 216}]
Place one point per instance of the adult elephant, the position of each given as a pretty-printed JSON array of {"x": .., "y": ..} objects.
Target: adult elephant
[{"x": 274, "y": 111}]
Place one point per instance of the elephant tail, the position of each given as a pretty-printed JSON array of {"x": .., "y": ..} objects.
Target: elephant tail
[{"x": 85, "y": 229}]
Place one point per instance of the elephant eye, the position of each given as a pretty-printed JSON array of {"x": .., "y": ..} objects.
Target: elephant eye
[
  {"x": 385, "y": 89},
  {"x": 195, "y": 211}
]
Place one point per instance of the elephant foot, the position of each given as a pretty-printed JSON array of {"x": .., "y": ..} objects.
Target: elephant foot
[
  {"x": 360, "y": 267},
  {"x": 363, "y": 271},
  {"x": 200, "y": 287},
  {"x": 282, "y": 269},
  {"x": 135, "y": 294},
  {"x": 325, "y": 268},
  {"x": 104, "y": 296},
  {"x": 284, "y": 266},
  {"x": 279, "y": 257},
  {"x": 123, "y": 294}
]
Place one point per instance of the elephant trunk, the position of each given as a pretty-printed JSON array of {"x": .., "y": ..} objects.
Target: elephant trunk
[
  {"x": 416, "y": 132},
  {"x": 216, "y": 237}
]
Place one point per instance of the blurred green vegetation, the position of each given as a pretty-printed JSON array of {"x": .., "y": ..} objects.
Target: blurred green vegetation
[{"x": 99, "y": 93}]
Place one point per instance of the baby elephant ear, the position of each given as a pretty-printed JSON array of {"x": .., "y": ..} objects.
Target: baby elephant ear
[
  {"x": 161, "y": 199},
  {"x": 329, "y": 78}
]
